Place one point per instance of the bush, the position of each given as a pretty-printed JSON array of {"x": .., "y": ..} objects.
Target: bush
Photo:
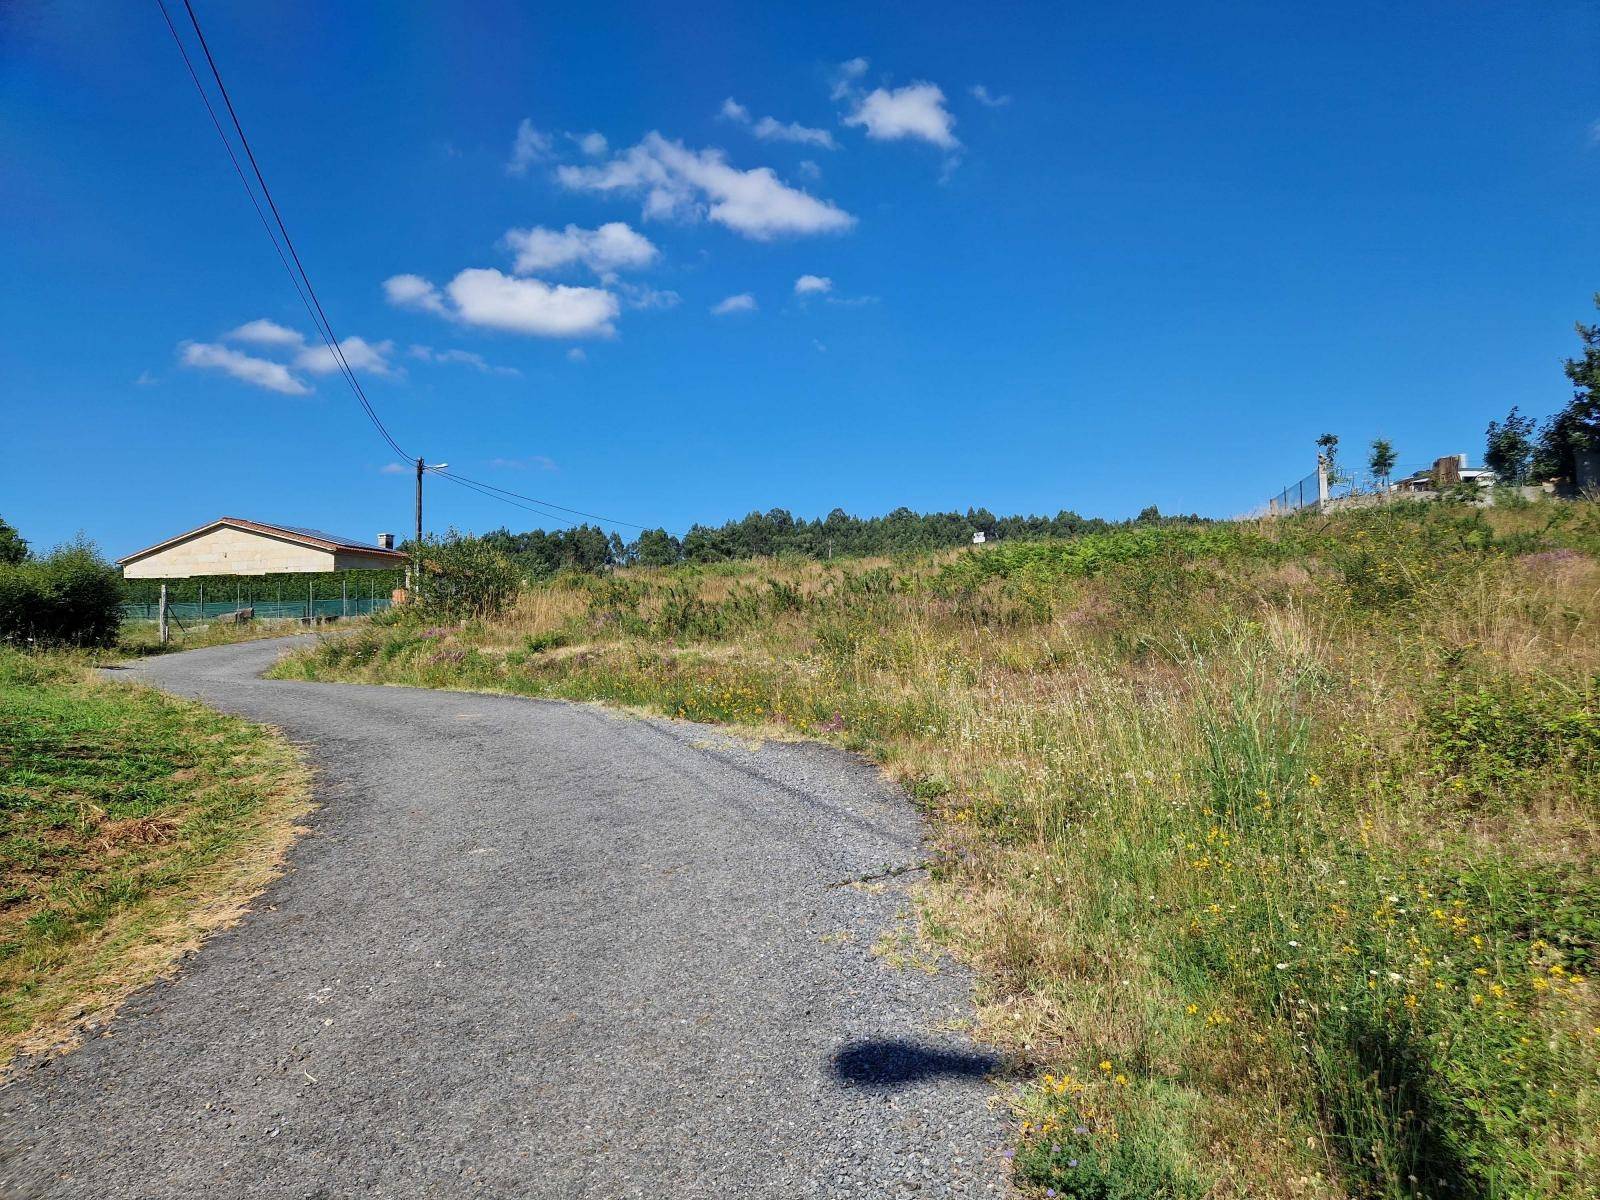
[
  {"x": 466, "y": 577},
  {"x": 70, "y": 597}
]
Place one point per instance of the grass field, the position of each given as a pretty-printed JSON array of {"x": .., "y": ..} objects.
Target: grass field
[
  {"x": 131, "y": 824},
  {"x": 1273, "y": 844}
]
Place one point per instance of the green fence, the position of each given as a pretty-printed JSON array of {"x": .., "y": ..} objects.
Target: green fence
[
  {"x": 265, "y": 610},
  {"x": 293, "y": 597}
]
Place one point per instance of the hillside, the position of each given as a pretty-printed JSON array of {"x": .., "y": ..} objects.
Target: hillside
[{"x": 1274, "y": 844}]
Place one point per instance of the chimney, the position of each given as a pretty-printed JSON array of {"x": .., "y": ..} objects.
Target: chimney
[{"x": 386, "y": 541}]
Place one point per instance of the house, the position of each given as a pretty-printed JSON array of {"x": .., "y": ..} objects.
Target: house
[
  {"x": 1445, "y": 472},
  {"x": 235, "y": 546}
]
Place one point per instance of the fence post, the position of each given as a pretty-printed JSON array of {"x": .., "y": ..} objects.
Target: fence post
[
  {"x": 1322, "y": 483},
  {"x": 162, "y": 618},
  {"x": 310, "y": 612}
]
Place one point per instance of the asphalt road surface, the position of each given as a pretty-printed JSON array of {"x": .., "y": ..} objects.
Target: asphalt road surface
[{"x": 532, "y": 949}]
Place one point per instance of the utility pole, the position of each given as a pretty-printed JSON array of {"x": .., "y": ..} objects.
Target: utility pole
[{"x": 417, "y": 552}]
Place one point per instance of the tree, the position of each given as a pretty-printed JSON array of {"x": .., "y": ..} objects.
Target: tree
[
  {"x": 1508, "y": 446},
  {"x": 13, "y": 546},
  {"x": 1382, "y": 460},
  {"x": 69, "y": 597},
  {"x": 1148, "y": 515},
  {"x": 1328, "y": 452},
  {"x": 1576, "y": 428},
  {"x": 656, "y": 548}
]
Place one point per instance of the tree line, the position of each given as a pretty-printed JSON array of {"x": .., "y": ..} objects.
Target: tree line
[{"x": 778, "y": 532}]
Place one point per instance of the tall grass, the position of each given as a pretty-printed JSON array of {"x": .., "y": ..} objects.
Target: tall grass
[{"x": 1273, "y": 844}]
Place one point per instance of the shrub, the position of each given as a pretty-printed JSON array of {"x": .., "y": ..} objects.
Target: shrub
[
  {"x": 466, "y": 577},
  {"x": 70, "y": 597}
]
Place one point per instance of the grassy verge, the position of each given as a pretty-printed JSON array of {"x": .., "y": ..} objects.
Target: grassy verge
[
  {"x": 141, "y": 639},
  {"x": 1274, "y": 845},
  {"x": 131, "y": 824}
]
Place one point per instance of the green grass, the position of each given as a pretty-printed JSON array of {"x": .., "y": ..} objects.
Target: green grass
[
  {"x": 130, "y": 823},
  {"x": 1274, "y": 844},
  {"x": 141, "y": 639}
]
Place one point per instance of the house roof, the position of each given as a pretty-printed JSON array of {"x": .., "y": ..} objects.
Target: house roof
[{"x": 318, "y": 538}]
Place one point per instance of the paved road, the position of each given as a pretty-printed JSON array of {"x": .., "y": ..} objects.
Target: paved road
[{"x": 531, "y": 950}]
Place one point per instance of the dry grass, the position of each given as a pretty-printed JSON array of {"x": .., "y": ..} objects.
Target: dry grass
[{"x": 1273, "y": 844}]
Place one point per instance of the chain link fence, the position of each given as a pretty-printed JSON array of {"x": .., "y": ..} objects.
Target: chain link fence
[
  {"x": 1303, "y": 493},
  {"x": 319, "y": 596},
  {"x": 264, "y": 610}
]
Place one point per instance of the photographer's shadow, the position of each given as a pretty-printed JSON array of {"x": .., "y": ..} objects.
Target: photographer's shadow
[{"x": 893, "y": 1063}]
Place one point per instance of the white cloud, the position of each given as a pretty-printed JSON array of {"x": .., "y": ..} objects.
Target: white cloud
[
  {"x": 914, "y": 111},
  {"x": 466, "y": 357},
  {"x": 771, "y": 129},
  {"x": 845, "y": 78},
  {"x": 261, "y": 372},
  {"x": 809, "y": 169},
  {"x": 677, "y": 181},
  {"x": 484, "y": 296},
  {"x": 592, "y": 143},
  {"x": 527, "y": 148},
  {"x": 638, "y": 295},
  {"x": 359, "y": 355},
  {"x": 577, "y": 355},
  {"x": 810, "y": 285},
  {"x": 145, "y": 380},
  {"x": 395, "y": 469},
  {"x": 613, "y": 247},
  {"x": 743, "y": 302},
  {"x": 987, "y": 98},
  {"x": 413, "y": 291},
  {"x": 539, "y": 462},
  {"x": 263, "y": 332}
]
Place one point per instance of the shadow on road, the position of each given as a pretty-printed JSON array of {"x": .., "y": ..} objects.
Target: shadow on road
[{"x": 892, "y": 1063}]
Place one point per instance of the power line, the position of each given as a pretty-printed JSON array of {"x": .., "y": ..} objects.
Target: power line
[
  {"x": 534, "y": 500},
  {"x": 308, "y": 294},
  {"x": 232, "y": 157},
  {"x": 326, "y": 326},
  {"x": 302, "y": 281},
  {"x": 473, "y": 486}
]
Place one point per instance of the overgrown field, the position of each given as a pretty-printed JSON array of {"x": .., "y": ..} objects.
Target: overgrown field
[
  {"x": 1274, "y": 845},
  {"x": 131, "y": 823}
]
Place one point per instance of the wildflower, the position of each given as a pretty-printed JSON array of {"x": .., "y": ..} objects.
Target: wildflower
[
  {"x": 1105, "y": 1065},
  {"x": 1120, "y": 1079}
]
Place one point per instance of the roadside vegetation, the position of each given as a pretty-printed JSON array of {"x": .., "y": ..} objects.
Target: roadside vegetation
[
  {"x": 1273, "y": 844},
  {"x": 131, "y": 824}
]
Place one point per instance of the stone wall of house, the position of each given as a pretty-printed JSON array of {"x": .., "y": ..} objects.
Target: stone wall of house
[{"x": 229, "y": 551}]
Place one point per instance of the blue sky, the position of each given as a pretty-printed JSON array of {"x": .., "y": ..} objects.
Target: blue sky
[{"x": 1158, "y": 253}]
